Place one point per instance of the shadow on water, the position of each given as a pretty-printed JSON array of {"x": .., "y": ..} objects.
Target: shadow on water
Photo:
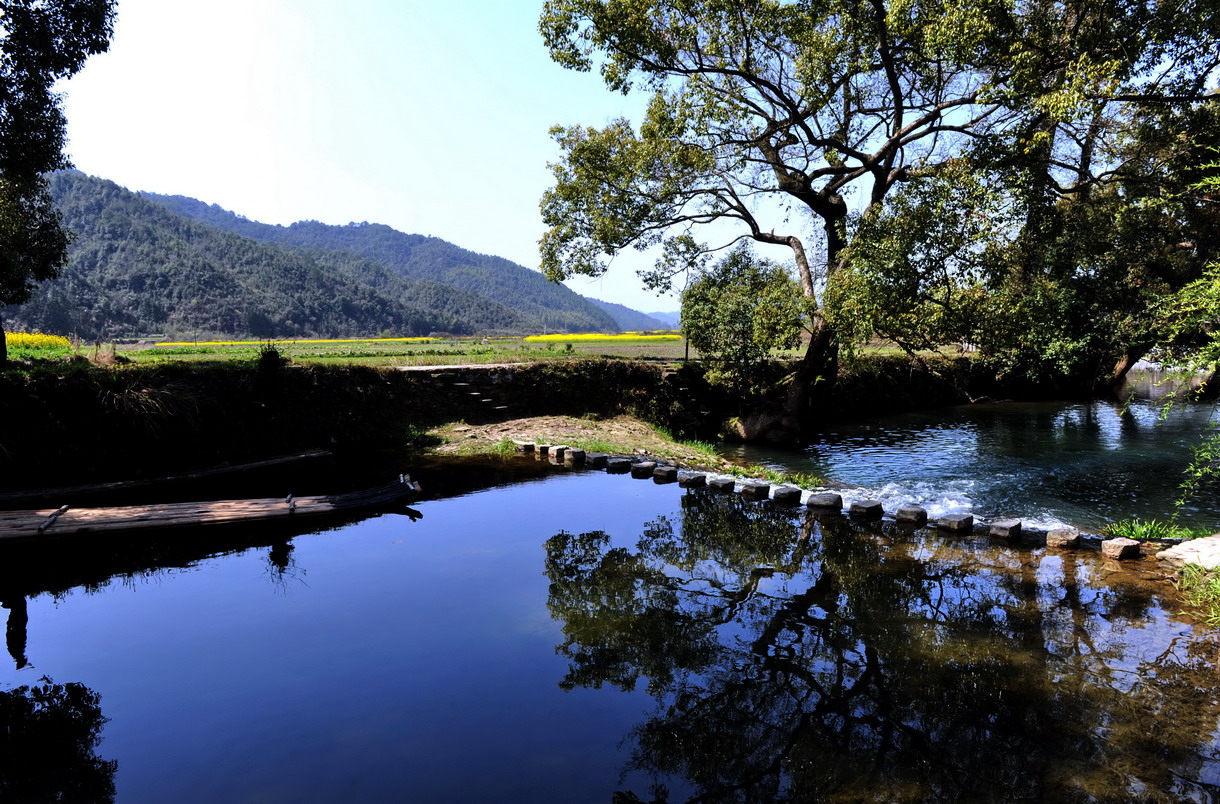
[{"x": 795, "y": 657}]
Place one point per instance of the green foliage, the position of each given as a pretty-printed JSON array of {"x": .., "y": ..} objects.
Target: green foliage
[
  {"x": 1151, "y": 530},
  {"x": 1201, "y": 589},
  {"x": 738, "y": 312}
]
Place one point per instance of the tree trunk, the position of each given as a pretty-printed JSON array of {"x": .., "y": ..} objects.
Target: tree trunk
[{"x": 3, "y": 347}]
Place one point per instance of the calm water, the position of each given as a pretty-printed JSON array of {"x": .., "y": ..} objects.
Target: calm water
[
  {"x": 1045, "y": 463},
  {"x": 593, "y": 638}
]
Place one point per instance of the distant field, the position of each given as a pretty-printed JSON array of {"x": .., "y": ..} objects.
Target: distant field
[{"x": 425, "y": 351}]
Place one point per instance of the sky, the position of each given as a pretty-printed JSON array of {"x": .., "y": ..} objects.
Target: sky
[{"x": 431, "y": 117}]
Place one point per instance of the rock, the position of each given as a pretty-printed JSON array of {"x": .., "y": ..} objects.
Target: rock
[
  {"x": 596, "y": 459},
  {"x": 692, "y": 481},
  {"x": 665, "y": 474},
  {"x": 755, "y": 491},
  {"x": 1063, "y": 538},
  {"x": 1203, "y": 552},
  {"x": 722, "y": 484},
  {"x": 574, "y": 457},
  {"x": 867, "y": 509},
  {"x": 558, "y": 450},
  {"x": 1120, "y": 548},
  {"x": 825, "y": 499},
  {"x": 543, "y": 449},
  {"x": 524, "y": 446},
  {"x": 643, "y": 469},
  {"x": 956, "y": 523},
  {"x": 912, "y": 515},
  {"x": 1005, "y": 529},
  {"x": 786, "y": 495},
  {"x": 618, "y": 466}
]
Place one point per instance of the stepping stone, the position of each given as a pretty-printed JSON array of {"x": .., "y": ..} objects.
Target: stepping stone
[
  {"x": 693, "y": 481},
  {"x": 596, "y": 459},
  {"x": 665, "y": 474},
  {"x": 1120, "y": 548},
  {"x": 1063, "y": 538},
  {"x": 1203, "y": 552},
  {"x": 558, "y": 450},
  {"x": 524, "y": 446},
  {"x": 618, "y": 466},
  {"x": 643, "y": 469},
  {"x": 826, "y": 499},
  {"x": 722, "y": 484},
  {"x": 574, "y": 457},
  {"x": 867, "y": 509},
  {"x": 755, "y": 491},
  {"x": 911, "y": 515},
  {"x": 786, "y": 495},
  {"x": 1005, "y": 529},
  {"x": 956, "y": 523}
]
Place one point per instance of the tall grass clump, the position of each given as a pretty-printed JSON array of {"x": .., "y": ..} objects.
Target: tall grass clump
[
  {"x": 1201, "y": 589},
  {"x": 1151, "y": 529}
]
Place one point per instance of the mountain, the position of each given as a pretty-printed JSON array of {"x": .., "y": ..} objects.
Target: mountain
[
  {"x": 168, "y": 265},
  {"x": 554, "y": 307},
  {"x": 629, "y": 320},
  {"x": 671, "y": 320}
]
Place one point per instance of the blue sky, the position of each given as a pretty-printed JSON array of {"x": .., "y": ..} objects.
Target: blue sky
[{"x": 431, "y": 117}]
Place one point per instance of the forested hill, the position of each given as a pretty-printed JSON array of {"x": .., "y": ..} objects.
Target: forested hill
[
  {"x": 413, "y": 256},
  {"x": 629, "y": 320},
  {"x": 137, "y": 268}
]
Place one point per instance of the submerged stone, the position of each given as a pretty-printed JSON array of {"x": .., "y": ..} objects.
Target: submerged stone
[{"x": 1203, "y": 552}]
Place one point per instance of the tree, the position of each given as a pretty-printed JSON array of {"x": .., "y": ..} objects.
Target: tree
[
  {"x": 41, "y": 42},
  {"x": 740, "y": 311},
  {"x": 771, "y": 120}
]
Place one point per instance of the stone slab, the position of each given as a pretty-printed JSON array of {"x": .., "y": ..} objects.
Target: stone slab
[
  {"x": 665, "y": 474},
  {"x": 826, "y": 499},
  {"x": 575, "y": 457},
  {"x": 1203, "y": 552},
  {"x": 911, "y": 515},
  {"x": 596, "y": 459},
  {"x": 618, "y": 466},
  {"x": 692, "y": 481},
  {"x": 1063, "y": 538},
  {"x": 956, "y": 523},
  {"x": 722, "y": 484},
  {"x": 643, "y": 469},
  {"x": 1005, "y": 528},
  {"x": 1120, "y": 548},
  {"x": 755, "y": 491},
  {"x": 867, "y": 509},
  {"x": 524, "y": 446},
  {"x": 786, "y": 495}
]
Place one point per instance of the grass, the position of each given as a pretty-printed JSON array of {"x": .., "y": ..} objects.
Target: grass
[
  {"x": 802, "y": 479},
  {"x": 1201, "y": 589},
  {"x": 1152, "y": 529}
]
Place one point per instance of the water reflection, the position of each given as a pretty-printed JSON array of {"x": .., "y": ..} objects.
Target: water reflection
[
  {"x": 49, "y": 734},
  {"x": 793, "y": 657}
]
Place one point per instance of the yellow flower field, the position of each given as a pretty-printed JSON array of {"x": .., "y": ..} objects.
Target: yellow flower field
[
  {"x": 35, "y": 340},
  {"x": 305, "y": 341},
  {"x": 604, "y": 336}
]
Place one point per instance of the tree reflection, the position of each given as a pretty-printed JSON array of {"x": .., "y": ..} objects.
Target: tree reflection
[
  {"x": 48, "y": 737},
  {"x": 797, "y": 658}
]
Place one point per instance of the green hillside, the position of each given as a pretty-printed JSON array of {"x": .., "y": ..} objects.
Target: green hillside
[
  {"x": 628, "y": 320},
  {"x": 554, "y": 307},
  {"x": 176, "y": 267}
]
